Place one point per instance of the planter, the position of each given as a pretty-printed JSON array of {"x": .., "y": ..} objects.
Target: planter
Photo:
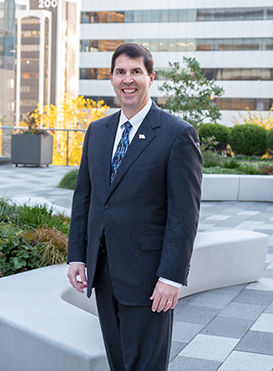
[
  {"x": 229, "y": 187},
  {"x": 31, "y": 149}
]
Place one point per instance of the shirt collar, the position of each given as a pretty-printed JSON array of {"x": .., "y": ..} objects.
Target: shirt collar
[{"x": 138, "y": 118}]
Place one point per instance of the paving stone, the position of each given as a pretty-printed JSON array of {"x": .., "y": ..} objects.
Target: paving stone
[
  {"x": 234, "y": 290},
  {"x": 267, "y": 273},
  {"x": 185, "y": 332},
  {"x": 193, "y": 364},
  {"x": 264, "y": 216},
  {"x": 232, "y": 222},
  {"x": 196, "y": 314},
  {"x": 259, "y": 206},
  {"x": 242, "y": 361},
  {"x": 243, "y": 311},
  {"x": 228, "y": 327},
  {"x": 264, "y": 323},
  {"x": 214, "y": 348},
  {"x": 258, "y": 297},
  {"x": 257, "y": 342},
  {"x": 213, "y": 300},
  {"x": 249, "y": 226},
  {"x": 269, "y": 309},
  {"x": 265, "y": 284},
  {"x": 176, "y": 348}
]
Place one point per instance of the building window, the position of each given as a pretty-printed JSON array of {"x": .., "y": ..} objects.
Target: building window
[
  {"x": 178, "y": 15},
  {"x": 181, "y": 45}
]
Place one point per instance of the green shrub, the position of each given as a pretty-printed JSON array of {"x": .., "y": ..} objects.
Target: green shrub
[
  {"x": 250, "y": 168},
  {"x": 221, "y": 170},
  {"x": 241, "y": 157},
  {"x": 231, "y": 163},
  {"x": 248, "y": 139},
  {"x": 30, "y": 237},
  {"x": 220, "y": 132},
  {"x": 212, "y": 159},
  {"x": 69, "y": 180},
  {"x": 269, "y": 140}
]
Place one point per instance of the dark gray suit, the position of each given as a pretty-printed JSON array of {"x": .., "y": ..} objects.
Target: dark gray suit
[{"x": 149, "y": 213}]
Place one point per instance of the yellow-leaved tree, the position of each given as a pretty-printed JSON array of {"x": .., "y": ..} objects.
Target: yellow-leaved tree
[
  {"x": 74, "y": 114},
  {"x": 257, "y": 118}
]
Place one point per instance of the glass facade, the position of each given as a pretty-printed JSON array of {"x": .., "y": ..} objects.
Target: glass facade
[
  {"x": 178, "y": 15},
  {"x": 231, "y": 104},
  {"x": 30, "y": 51},
  {"x": 181, "y": 45},
  {"x": 7, "y": 77},
  {"x": 256, "y": 74}
]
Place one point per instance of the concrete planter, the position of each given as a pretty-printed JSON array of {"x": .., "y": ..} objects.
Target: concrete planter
[
  {"x": 31, "y": 149},
  {"x": 225, "y": 187}
]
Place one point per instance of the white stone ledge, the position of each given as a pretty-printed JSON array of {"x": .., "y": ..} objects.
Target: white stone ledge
[
  {"x": 46, "y": 325},
  {"x": 229, "y": 187}
]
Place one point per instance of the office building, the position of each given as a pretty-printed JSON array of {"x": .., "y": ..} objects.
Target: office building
[
  {"x": 46, "y": 54},
  {"x": 232, "y": 40},
  {"x": 7, "y": 31}
]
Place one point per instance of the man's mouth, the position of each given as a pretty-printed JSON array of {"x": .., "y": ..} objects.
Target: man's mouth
[{"x": 129, "y": 91}]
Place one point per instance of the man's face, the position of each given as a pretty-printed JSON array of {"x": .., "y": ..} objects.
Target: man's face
[{"x": 131, "y": 83}]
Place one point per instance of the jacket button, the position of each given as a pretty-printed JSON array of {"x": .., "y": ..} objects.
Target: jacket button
[{"x": 106, "y": 207}]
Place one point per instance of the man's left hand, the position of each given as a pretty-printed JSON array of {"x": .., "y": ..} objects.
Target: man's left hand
[{"x": 164, "y": 297}]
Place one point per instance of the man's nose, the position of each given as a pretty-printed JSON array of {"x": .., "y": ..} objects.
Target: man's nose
[{"x": 128, "y": 78}]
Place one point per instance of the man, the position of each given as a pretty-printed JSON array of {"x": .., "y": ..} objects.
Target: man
[{"x": 134, "y": 217}]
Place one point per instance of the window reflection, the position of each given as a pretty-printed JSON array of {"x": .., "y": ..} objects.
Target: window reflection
[
  {"x": 177, "y": 15},
  {"x": 158, "y": 45}
]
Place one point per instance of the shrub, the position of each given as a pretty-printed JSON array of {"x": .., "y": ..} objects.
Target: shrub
[
  {"x": 30, "y": 237},
  {"x": 231, "y": 163},
  {"x": 269, "y": 140},
  {"x": 248, "y": 139},
  {"x": 220, "y": 132},
  {"x": 69, "y": 180},
  {"x": 212, "y": 159},
  {"x": 250, "y": 168},
  {"x": 267, "y": 170}
]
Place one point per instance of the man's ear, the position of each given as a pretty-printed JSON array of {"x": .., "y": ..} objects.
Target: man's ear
[
  {"x": 152, "y": 77},
  {"x": 111, "y": 78}
]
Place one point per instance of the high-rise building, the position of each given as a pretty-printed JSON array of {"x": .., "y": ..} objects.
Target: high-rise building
[
  {"x": 232, "y": 40},
  {"x": 46, "y": 54},
  {"x": 7, "y": 31}
]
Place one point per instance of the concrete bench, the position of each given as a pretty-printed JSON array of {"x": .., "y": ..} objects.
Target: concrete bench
[
  {"x": 228, "y": 187},
  {"x": 46, "y": 325}
]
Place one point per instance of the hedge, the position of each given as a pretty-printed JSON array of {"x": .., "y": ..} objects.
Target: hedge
[{"x": 248, "y": 139}]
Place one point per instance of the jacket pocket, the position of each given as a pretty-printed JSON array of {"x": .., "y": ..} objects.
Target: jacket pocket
[{"x": 152, "y": 242}]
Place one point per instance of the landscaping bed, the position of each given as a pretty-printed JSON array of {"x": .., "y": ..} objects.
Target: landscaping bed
[{"x": 31, "y": 237}]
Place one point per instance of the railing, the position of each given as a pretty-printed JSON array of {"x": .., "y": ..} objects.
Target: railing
[{"x": 17, "y": 128}]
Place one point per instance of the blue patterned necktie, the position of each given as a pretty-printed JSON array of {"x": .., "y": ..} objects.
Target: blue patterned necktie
[{"x": 121, "y": 149}]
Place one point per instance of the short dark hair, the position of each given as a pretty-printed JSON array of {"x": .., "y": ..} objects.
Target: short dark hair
[{"x": 134, "y": 51}]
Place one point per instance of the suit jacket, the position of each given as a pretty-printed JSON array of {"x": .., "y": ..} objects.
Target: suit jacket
[{"x": 149, "y": 213}]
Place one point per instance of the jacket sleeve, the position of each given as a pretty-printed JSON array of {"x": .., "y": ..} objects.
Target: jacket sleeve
[
  {"x": 80, "y": 208},
  {"x": 184, "y": 178}
]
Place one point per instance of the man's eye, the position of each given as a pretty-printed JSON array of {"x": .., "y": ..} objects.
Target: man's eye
[
  {"x": 119, "y": 72},
  {"x": 135, "y": 72}
]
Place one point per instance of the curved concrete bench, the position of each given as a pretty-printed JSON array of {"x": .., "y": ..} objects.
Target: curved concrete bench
[
  {"x": 46, "y": 325},
  {"x": 229, "y": 187}
]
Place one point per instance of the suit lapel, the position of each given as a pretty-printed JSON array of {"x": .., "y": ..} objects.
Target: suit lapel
[
  {"x": 138, "y": 145},
  {"x": 108, "y": 135}
]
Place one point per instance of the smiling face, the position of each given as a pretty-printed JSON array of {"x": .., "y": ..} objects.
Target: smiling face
[{"x": 131, "y": 83}]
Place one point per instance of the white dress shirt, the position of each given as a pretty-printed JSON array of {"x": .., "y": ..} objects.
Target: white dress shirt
[{"x": 135, "y": 122}]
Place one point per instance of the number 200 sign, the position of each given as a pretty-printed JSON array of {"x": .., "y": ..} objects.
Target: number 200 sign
[{"x": 48, "y": 3}]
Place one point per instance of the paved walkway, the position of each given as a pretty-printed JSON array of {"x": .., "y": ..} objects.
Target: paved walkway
[{"x": 228, "y": 329}]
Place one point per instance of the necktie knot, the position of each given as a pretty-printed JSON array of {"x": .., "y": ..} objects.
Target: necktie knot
[
  {"x": 127, "y": 126},
  {"x": 121, "y": 149}
]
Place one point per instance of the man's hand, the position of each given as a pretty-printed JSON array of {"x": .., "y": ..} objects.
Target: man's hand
[
  {"x": 75, "y": 270},
  {"x": 164, "y": 297}
]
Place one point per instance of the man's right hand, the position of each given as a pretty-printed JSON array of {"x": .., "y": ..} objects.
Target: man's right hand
[{"x": 75, "y": 270}]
